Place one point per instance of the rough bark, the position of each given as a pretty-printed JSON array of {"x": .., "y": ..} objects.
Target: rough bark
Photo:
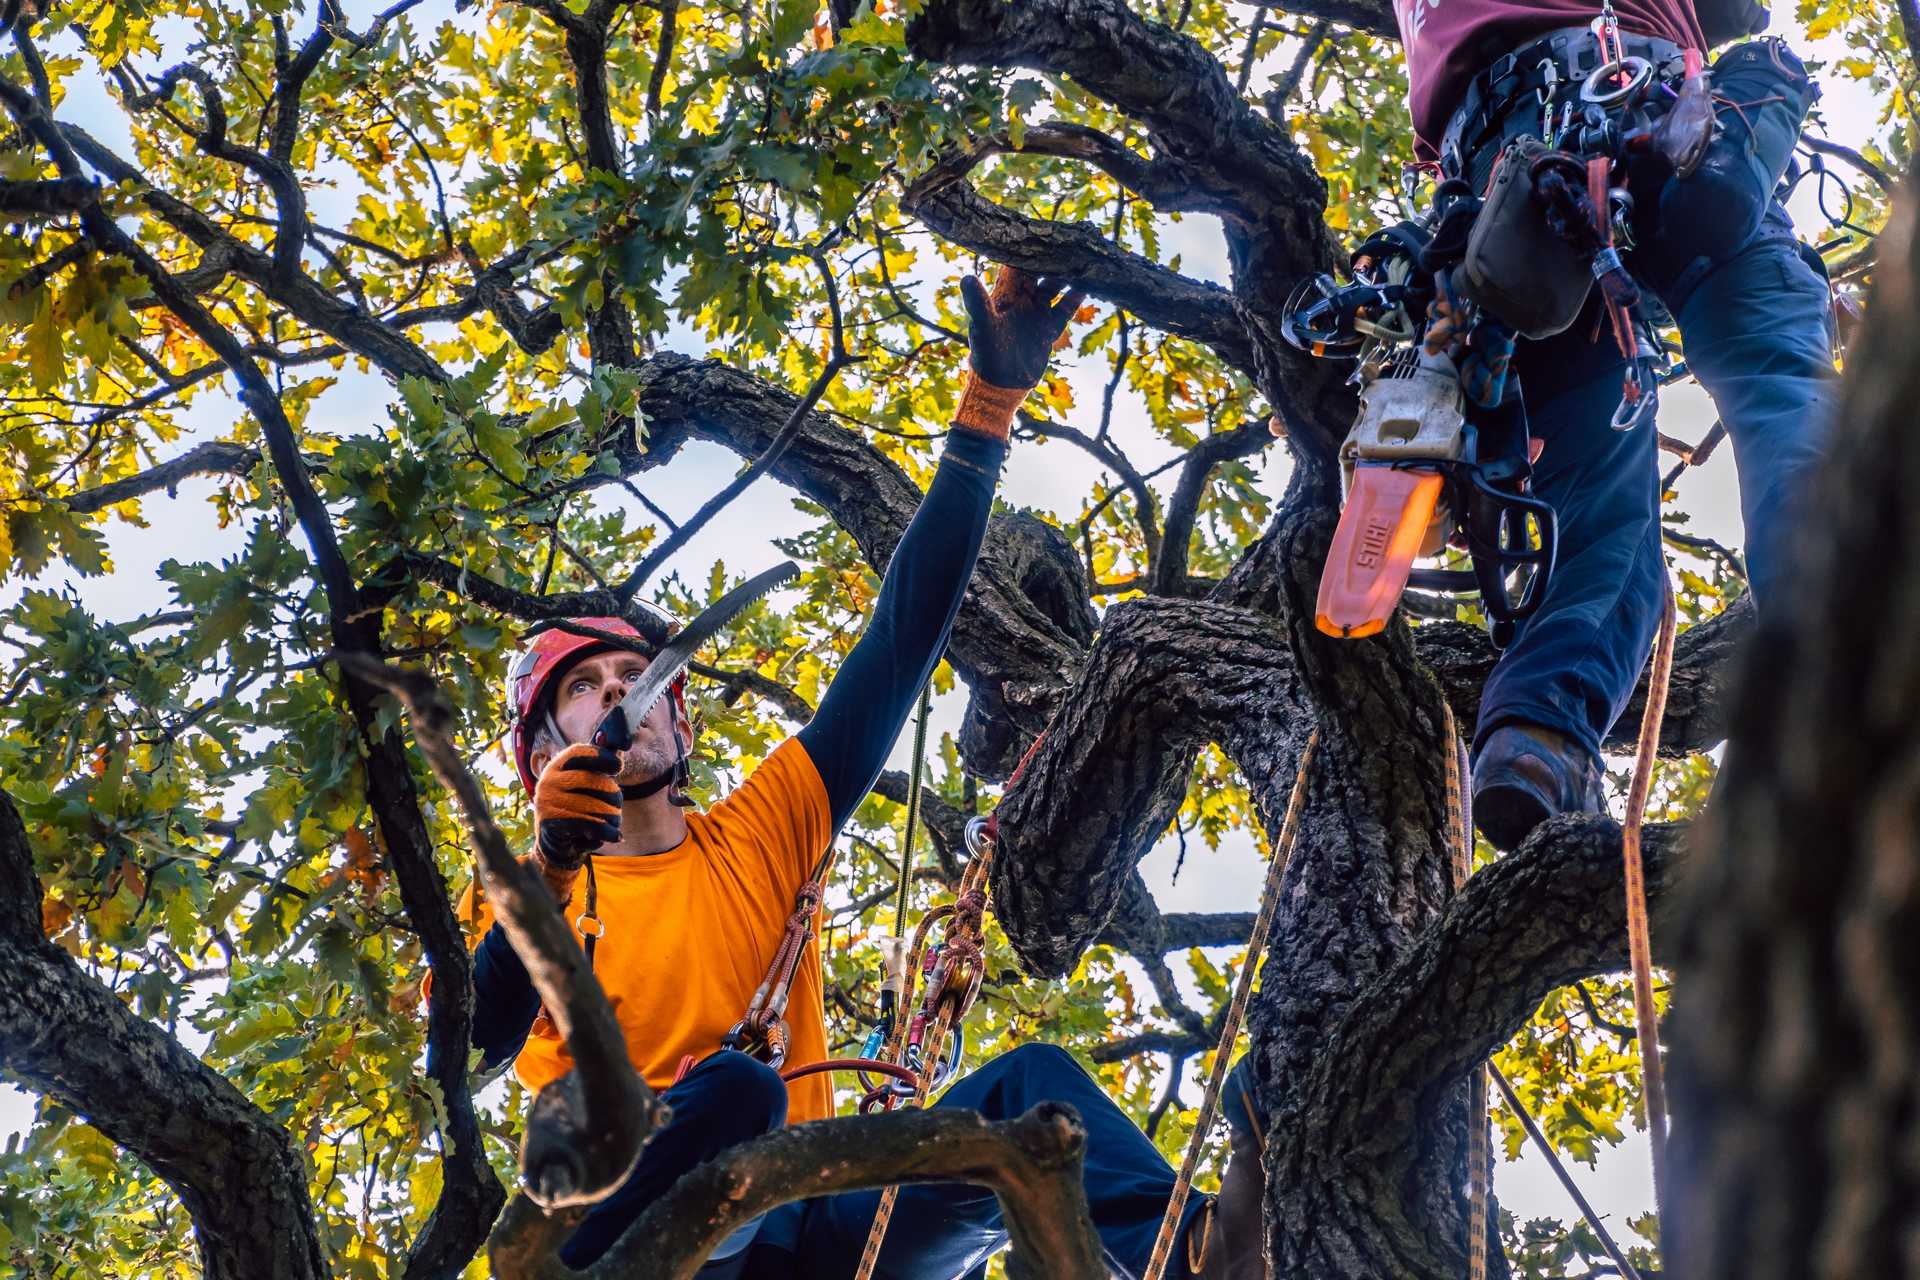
[
  {"x": 1113, "y": 768},
  {"x": 1353, "y": 1175},
  {"x": 65, "y": 1035},
  {"x": 1032, "y": 1163},
  {"x": 1795, "y": 1067}
]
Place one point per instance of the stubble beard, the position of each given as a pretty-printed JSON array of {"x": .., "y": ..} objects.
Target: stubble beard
[{"x": 645, "y": 761}]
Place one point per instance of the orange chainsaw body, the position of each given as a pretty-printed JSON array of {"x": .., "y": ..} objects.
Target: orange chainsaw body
[{"x": 1389, "y": 522}]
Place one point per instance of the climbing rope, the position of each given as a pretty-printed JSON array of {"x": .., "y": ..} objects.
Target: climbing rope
[
  {"x": 913, "y": 809},
  {"x": 1236, "y": 1010},
  {"x": 1614, "y": 1251},
  {"x": 1639, "y": 950},
  {"x": 951, "y": 991},
  {"x": 1639, "y": 942},
  {"x": 1479, "y": 1158}
]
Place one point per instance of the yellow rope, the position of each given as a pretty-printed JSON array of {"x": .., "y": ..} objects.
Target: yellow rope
[
  {"x": 1236, "y": 1010},
  {"x": 1639, "y": 942}
]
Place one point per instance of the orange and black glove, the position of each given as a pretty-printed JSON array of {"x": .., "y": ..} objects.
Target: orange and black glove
[
  {"x": 1012, "y": 333},
  {"x": 576, "y": 806}
]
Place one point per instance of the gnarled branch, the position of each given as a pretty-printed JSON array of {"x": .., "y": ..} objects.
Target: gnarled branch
[{"x": 65, "y": 1035}]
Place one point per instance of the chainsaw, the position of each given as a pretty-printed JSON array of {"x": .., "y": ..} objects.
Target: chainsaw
[{"x": 1426, "y": 469}]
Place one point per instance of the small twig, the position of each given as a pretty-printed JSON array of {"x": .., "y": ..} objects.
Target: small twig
[
  {"x": 1176, "y": 1069},
  {"x": 1881, "y": 178},
  {"x": 663, "y": 55},
  {"x": 1560, "y": 1171},
  {"x": 776, "y": 449},
  {"x": 1289, "y": 84},
  {"x": 1625, "y": 1034},
  {"x": 1707, "y": 546}
]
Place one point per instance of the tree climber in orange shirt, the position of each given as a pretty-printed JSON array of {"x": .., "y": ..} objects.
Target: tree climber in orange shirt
[{"x": 693, "y": 904}]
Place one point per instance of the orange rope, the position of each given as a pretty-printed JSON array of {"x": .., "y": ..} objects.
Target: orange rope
[
  {"x": 1236, "y": 1010},
  {"x": 1639, "y": 941}
]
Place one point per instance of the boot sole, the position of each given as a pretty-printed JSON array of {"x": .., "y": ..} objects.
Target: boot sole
[{"x": 1507, "y": 814}]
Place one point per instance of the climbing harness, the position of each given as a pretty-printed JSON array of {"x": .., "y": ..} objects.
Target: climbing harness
[
  {"x": 1440, "y": 454},
  {"x": 1236, "y": 1011}
]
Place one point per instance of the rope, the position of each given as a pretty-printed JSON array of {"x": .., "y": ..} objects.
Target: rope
[
  {"x": 1236, "y": 1010},
  {"x": 1639, "y": 942},
  {"x": 913, "y": 809},
  {"x": 1479, "y": 1158},
  {"x": 1566, "y": 1179},
  {"x": 874, "y": 1065},
  {"x": 590, "y": 938},
  {"x": 883, "y": 1213}
]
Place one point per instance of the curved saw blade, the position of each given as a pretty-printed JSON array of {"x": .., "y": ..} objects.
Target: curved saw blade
[{"x": 616, "y": 730}]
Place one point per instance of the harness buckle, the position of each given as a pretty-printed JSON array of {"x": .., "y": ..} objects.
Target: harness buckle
[{"x": 589, "y": 926}]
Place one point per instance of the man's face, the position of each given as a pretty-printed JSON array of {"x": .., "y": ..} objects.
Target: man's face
[{"x": 588, "y": 689}]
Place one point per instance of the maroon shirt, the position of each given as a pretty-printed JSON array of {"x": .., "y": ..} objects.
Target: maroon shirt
[{"x": 1448, "y": 42}]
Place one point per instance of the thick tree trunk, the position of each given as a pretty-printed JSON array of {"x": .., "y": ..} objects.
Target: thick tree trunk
[
  {"x": 1797, "y": 1059},
  {"x": 64, "y": 1035},
  {"x": 1370, "y": 872}
]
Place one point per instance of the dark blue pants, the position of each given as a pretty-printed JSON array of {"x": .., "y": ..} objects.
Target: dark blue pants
[
  {"x": 725, "y": 1100},
  {"x": 1756, "y": 334},
  {"x": 941, "y": 1231}
]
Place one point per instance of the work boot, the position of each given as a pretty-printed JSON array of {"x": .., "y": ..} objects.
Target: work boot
[{"x": 1527, "y": 774}]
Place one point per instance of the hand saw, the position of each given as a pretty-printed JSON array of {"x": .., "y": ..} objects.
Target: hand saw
[{"x": 616, "y": 729}]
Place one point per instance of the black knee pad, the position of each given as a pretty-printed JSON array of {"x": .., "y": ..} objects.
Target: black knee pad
[{"x": 1762, "y": 95}]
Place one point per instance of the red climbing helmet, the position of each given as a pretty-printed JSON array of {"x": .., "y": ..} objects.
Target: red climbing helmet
[{"x": 548, "y": 657}]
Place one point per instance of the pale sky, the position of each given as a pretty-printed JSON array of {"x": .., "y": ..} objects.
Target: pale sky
[{"x": 183, "y": 528}]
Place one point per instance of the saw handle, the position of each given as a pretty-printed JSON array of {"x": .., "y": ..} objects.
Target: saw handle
[{"x": 614, "y": 733}]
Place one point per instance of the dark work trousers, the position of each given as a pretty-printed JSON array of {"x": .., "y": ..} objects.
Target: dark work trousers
[
  {"x": 1756, "y": 334},
  {"x": 940, "y": 1231}
]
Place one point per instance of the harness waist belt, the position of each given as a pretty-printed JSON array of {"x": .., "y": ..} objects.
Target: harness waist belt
[{"x": 1556, "y": 63}]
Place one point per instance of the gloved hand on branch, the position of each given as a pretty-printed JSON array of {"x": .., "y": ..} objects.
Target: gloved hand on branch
[{"x": 1012, "y": 332}]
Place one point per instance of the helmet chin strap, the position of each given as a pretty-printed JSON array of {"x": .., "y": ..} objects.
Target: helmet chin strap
[
  {"x": 675, "y": 778},
  {"x": 641, "y": 790}
]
